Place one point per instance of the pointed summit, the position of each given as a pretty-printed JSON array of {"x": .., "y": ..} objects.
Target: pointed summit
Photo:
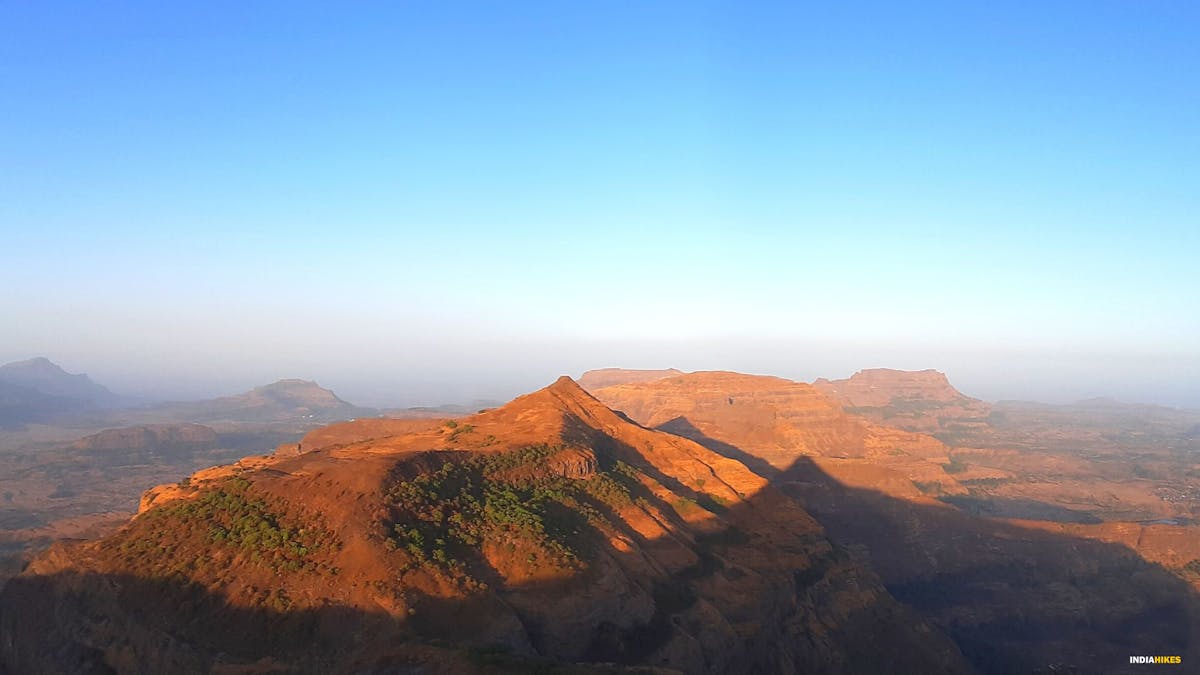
[
  {"x": 563, "y": 409},
  {"x": 564, "y": 393},
  {"x": 565, "y": 381},
  {"x": 36, "y": 364},
  {"x": 296, "y": 392}
]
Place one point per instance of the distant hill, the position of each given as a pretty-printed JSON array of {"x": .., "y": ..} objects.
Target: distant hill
[
  {"x": 150, "y": 438},
  {"x": 608, "y": 377},
  {"x": 285, "y": 400},
  {"x": 44, "y": 376}
]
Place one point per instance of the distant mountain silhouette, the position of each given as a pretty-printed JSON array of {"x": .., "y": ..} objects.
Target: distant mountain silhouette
[
  {"x": 38, "y": 390},
  {"x": 44, "y": 376},
  {"x": 290, "y": 399}
]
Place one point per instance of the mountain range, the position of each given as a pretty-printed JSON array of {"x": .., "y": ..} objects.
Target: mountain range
[
  {"x": 548, "y": 529},
  {"x": 665, "y": 522},
  {"x": 39, "y": 391}
]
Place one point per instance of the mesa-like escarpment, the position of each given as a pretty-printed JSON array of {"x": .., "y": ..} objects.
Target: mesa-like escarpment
[
  {"x": 549, "y": 530},
  {"x": 917, "y": 400},
  {"x": 607, "y": 377}
]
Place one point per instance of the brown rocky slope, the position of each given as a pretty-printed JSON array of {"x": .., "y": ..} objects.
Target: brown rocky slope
[{"x": 548, "y": 530}]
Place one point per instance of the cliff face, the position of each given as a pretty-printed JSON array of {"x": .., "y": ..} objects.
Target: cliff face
[
  {"x": 920, "y": 400},
  {"x": 550, "y": 528}
]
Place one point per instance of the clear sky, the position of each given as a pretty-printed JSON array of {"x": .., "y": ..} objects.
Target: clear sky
[{"x": 428, "y": 201}]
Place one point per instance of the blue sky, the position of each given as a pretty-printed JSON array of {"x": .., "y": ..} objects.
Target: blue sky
[{"x": 421, "y": 201}]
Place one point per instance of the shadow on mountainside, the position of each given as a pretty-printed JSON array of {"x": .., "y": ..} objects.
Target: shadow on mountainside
[
  {"x": 1014, "y": 599},
  {"x": 748, "y": 592},
  {"x": 682, "y": 426},
  {"x": 129, "y": 624},
  {"x": 1019, "y": 509}
]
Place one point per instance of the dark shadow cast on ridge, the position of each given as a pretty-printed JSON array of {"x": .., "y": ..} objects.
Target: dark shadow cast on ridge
[
  {"x": 1014, "y": 599},
  {"x": 682, "y": 426},
  {"x": 1019, "y": 509}
]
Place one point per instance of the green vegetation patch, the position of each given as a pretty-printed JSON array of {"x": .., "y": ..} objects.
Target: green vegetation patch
[
  {"x": 230, "y": 516},
  {"x": 985, "y": 482},
  {"x": 507, "y": 499},
  {"x": 929, "y": 487},
  {"x": 955, "y": 465}
]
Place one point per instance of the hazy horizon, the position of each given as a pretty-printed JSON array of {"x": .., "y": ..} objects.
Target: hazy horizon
[
  {"x": 445, "y": 204},
  {"x": 416, "y": 387}
]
